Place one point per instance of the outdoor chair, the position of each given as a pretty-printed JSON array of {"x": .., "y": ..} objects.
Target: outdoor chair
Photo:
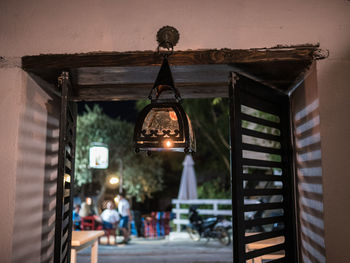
[
  {"x": 89, "y": 223},
  {"x": 150, "y": 226},
  {"x": 111, "y": 232}
]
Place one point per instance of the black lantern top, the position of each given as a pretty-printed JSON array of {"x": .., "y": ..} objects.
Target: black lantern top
[{"x": 163, "y": 125}]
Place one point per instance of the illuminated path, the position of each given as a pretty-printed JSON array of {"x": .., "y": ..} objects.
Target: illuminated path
[{"x": 165, "y": 251}]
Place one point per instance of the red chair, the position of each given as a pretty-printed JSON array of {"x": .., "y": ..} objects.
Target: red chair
[
  {"x": 90, "y": 223},
  {"x": 150, "y": 226},
  {"x": 87, "y": 223}
]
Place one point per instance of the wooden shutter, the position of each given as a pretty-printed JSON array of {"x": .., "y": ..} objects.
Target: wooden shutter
[
  {"x": 65, "y": 178},
  {"x": 261, "y": 171}
]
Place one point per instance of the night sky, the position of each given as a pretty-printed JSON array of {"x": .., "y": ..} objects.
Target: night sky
[{"x": 123, "y": 109}]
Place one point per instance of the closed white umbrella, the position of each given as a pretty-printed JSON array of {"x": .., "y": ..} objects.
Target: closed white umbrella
[{"x": 188, "y": 185}]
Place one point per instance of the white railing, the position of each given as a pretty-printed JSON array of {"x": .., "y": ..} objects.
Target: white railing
[{"x": 215, "y": 211}]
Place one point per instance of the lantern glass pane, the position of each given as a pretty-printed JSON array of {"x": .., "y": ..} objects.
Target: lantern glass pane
[
  {"x": 161, "y": 122},
  {"x": 192, "y": 138}
]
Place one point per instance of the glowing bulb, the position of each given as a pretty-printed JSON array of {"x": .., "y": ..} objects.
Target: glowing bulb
[
  {"x": 66, "y": 178},
  {"x": 114, "y": 180},
  {"x": 116, "y": 199},
  {"x": 168, "y": 143}
]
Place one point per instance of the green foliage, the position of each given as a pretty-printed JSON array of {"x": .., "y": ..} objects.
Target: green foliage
[
  {"x": 210, "y": 120},
  {"x": 95, "y": 126},
  {"x": 143, "y": 179},
  {"x": 140, "y": 104},
  {"x": 213, "y": 189}
]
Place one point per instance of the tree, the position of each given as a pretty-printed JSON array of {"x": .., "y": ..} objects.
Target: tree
[
  {"x": 210, "y": 118},
  {"x": 95, "y": 126}
]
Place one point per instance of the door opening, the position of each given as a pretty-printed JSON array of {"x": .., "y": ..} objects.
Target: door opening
[{"x": 111, "y": 76}]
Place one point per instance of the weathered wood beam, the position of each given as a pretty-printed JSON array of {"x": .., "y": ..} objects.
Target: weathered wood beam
[
  {"x": 149, "y": 58},
  {"x": 141, "y": 91}
]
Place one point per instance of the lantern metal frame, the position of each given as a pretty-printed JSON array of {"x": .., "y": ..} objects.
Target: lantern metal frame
[{"x": 154, "y": 140}]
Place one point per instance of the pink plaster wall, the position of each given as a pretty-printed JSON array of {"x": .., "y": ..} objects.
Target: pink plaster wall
[
  {"x": 11, "y": 101},
  {"x": 35, "y": 176},
  {"x": 334, "y": 94},
  {"x": 34, "y": 27},
  {"x": 308, "y": 164}
]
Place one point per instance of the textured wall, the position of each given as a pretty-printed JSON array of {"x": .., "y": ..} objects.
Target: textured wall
[
  {"x": 11, "y": 100},
  {"x": 309, "y": 183},
  {"x": 34, "y": 27},
  {"x": 33, "y": 229},
  {"x": 334, "y": 94}
]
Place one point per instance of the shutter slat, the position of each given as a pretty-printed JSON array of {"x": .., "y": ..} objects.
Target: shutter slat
[
  {"x": 257, "y": 192},
  {"x": 263, "y": 221},
  {"x": 279, "y": 260},
  {"x": 258, "y": 148},
  {"x": 260, "y": 207},
  {"x": 262, "y": 177},
  {"x": 263, "y": 236},
  {"x": 261, "y": 163},
  {"x": 264, "y": 251},
  {"x": 261, "y": 121},
  {"x": 261, "y": 135}
]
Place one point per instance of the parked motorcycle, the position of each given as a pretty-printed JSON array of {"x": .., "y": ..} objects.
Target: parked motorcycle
[{"x": 213, "y": 227}]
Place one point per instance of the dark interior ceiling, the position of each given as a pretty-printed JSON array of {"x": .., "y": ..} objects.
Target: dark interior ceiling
[{"x": 105, "y": 76}]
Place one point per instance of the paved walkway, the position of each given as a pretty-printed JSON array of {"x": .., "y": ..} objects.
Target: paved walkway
[{"x": 165, "y": 251}]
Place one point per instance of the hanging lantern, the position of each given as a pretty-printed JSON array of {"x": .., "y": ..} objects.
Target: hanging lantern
[
  {"x": 163, "y": 125},
  {"x": 98, "y": 155}
]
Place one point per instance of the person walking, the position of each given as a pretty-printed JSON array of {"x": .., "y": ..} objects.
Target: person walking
[{"x": 124, "y": 211}]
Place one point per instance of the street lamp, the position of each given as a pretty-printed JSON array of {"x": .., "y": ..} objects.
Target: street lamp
[
  {"x": 112, "y": 181},
  {"x": 98, "y": 155}
]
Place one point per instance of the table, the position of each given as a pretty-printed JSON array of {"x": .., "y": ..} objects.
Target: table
[{"x": 83, "y": 239}]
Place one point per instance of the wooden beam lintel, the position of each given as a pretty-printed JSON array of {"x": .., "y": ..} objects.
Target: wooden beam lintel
[
  {"x": 151, "y": 58},
  {"x": 141, "y": 91}
]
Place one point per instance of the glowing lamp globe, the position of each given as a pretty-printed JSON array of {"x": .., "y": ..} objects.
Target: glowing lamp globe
[{"x": 98, "y": 156}]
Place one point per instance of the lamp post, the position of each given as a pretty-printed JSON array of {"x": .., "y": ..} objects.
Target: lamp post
[{"x": 121, "y": 174}]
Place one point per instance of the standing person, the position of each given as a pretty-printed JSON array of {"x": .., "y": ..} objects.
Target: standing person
[
  {"x": 124, "y": 211},
  {"x": 92, "y": 205},
  {"x": 85, "y": 210},
  {"x": 76, "y": 218},
  {"x": 109, "y": 216}
]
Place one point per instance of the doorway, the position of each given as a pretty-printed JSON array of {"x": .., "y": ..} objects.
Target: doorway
[{"x": 198, "y": 74}]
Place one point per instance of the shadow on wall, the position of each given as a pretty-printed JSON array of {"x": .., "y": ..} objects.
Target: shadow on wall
[
  {"x": 34, "y": 223},
  {"x": 309, "y": 170}
]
